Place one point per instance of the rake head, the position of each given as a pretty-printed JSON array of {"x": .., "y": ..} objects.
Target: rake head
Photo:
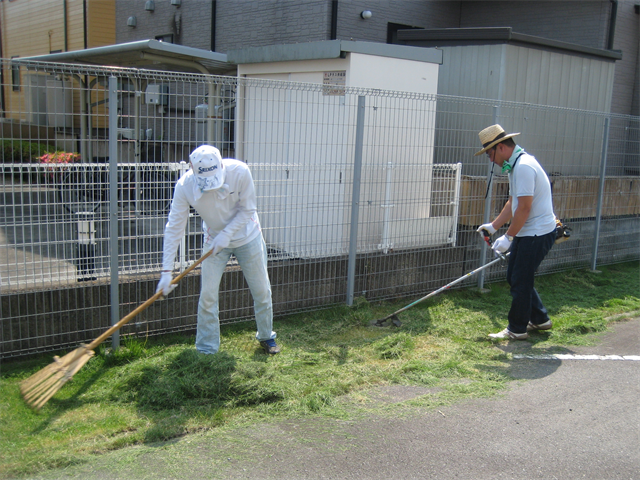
[{"x": 42, "y": 385}]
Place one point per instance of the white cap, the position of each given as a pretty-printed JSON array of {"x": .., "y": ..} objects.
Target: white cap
[{"x": 208, "y": 168}]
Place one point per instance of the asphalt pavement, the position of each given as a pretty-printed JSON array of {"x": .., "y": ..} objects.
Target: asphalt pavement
[{"x": 573, "y": 416}]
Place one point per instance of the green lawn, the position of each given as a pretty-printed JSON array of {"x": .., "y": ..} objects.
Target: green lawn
[{"x": 152, "y": 390}]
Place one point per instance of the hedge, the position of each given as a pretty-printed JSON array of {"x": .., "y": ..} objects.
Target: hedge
[{"x": 19, "y": 151}]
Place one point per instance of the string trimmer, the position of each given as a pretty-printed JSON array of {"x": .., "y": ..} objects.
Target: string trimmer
[{"x": 394, "y": 316}]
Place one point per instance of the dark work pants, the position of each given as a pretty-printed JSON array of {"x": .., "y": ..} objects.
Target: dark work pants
[{"x": 526, "y": 255}]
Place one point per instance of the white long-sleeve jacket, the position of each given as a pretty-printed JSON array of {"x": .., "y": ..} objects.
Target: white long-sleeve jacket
[{"x": 231, "y": 209}]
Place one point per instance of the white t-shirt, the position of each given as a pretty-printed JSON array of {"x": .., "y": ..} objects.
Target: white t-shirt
[
  {"x": 231, "y": 210},
  {"x": 528, "y": 179}
]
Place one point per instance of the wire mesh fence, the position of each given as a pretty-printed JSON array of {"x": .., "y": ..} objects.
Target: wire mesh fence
[{"x": 363, "y": 193}]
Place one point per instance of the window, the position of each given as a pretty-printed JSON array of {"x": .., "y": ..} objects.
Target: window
[
  {"x": 392, "y": 31},
  {"x": 15, "y": 76},
  {"x": 165, "y": 38}
]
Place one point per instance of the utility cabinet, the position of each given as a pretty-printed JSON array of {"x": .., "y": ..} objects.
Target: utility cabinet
[{"x": 299, "y": 142}]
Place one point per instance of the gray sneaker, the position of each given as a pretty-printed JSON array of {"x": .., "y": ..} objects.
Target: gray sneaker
[
  {"x": 507, "y": 334},
  {"x": 541, "y": 326}
]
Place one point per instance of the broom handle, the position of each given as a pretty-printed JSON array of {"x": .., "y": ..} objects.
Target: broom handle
[{"x": 143, "y": 306}]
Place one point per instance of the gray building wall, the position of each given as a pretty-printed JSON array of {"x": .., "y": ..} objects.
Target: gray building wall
[
  {"x": 189, "y": 23},
  {"x": 626, "y": 96},
  {"x": 581, "y": 22},
  {"x": 250, "y": 23},
  {"x": 254, "y": 23},
  {"x": 412, "y": 13}
]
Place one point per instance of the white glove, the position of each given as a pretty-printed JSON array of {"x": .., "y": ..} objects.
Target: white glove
[
  {"x": 220, "y": 242},
  {"x": 501, "y": 245},
  {"x": 164, "y": 284},
  {"x": 488, "y": 227}
]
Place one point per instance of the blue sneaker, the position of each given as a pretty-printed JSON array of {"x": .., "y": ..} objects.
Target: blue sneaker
[{"x": 270, "y": 346}]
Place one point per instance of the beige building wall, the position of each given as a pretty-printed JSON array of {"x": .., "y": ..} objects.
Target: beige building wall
[
  {"x": 37, "y": 27},
  {"x": 101, "y": 23}
]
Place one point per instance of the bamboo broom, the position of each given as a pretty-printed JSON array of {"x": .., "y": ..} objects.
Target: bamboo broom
[{"x": 42, "y": 385}]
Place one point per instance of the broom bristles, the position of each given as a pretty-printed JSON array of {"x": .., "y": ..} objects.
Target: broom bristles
[{"x": 42, "y": 385}]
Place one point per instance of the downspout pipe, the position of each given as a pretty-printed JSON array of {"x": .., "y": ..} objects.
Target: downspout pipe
[
  {"x": 2, "y": 99},
  {"x": 334, "y": 20},
  {"x": 85, "y": 141},
  {"x": 612, "y": 23},
  {"x": 214, "y": 11},
  {"x": 66, "y": 26},
  {"x": 84, "y": 24}
]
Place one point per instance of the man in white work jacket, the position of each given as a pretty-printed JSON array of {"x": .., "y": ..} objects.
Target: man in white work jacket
[{"x": 223, "y": 194}]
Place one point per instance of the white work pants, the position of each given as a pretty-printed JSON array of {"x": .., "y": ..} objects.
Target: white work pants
[{"x": 252, "y": 258}]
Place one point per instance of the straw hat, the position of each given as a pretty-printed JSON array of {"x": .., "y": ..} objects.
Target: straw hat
[{"x": 491, "y": 136}]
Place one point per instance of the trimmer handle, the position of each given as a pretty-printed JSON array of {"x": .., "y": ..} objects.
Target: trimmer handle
[{"x": 487, "y": 237}]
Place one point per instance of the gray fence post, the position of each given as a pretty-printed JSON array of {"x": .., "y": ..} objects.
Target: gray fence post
[
  {"x": 113, "y": 206},
  {"x": 355, "y": 201},
  {"x": 603, "y": 168},
  {"x": 487, "y": 210}
]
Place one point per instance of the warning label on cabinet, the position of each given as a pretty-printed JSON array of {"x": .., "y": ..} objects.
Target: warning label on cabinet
[{"x": 334, "y": 83}]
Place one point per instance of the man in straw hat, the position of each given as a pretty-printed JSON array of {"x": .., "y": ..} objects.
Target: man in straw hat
[
  {"x": 222, "y": 193},
  {"x": 531, "y": 233}
]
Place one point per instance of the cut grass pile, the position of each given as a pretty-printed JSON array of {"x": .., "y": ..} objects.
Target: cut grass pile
[{"x": 152, "y": 390}]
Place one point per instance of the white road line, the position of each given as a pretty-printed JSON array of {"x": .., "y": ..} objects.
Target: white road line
[{"x": 568, "y": 356}]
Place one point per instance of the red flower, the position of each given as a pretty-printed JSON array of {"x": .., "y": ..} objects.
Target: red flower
[{"x": 55, "y": 162}]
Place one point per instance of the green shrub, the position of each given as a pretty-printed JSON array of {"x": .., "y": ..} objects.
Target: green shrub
[{"x": 20, "y": 151}]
